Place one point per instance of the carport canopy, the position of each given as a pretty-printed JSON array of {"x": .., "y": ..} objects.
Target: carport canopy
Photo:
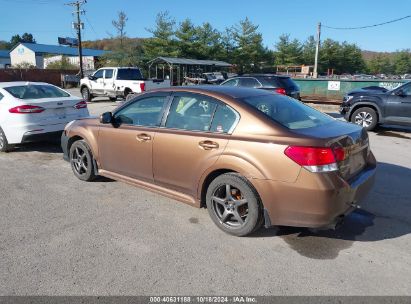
[
  {"x": 177, "y": 68},
  {"x": 184, "y": 61}
]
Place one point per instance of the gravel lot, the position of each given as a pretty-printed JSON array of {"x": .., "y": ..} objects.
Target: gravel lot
[{"x": 61, "y": 236}]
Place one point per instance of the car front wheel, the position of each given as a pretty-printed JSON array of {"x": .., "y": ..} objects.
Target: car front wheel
[
  {"x": 234, "y": 204},
  {"x": 365, "y": 117},
  {"x": 81, "y": 160},
  {"x": 4, "y": 144},
  {"x": 85, "y": 93}
]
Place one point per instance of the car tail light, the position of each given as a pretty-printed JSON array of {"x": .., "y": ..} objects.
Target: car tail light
[
  {"x": 26, "y": 109},
  {"x": 316, "y": 159},
  {"x": 281, "y": 91},
  {"x": 142, "y": 87},
  {"x": 81, "y": 105}
]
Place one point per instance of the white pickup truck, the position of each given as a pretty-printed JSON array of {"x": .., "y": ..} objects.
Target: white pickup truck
[{"x": 117, "y": 82}]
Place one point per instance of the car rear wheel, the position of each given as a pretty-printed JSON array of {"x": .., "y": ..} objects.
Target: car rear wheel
[
  {"x": 81, "y": 160},
  {"x": 4, "y": 144},
  {"x": 234, "y": 205},
  {"x": 365, "y": 117},
  {"x": 85, "y": 93}
]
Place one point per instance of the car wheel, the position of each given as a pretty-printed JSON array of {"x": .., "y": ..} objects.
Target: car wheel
[
  {"x": 234, "y": 205},
  {"x": 4, "y": 144},
  {"x": 81, "y": 160},
  {"x": 85, "y": 93},
  {"x": 127, "y": 92},
  {"x": 113, "y": 99},
  {"x": 365, "y": 117}
]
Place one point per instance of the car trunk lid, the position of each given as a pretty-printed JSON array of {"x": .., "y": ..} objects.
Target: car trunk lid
[
  {"x": 56, "y": 110},
  {"x": 349, "y": 138}
]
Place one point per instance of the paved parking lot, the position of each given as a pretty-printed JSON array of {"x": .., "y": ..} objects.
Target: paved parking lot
[{"x": 61, "y": 236}]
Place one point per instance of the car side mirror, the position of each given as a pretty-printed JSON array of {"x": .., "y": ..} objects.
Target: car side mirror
[
  {"x": 91, "y": 77},
  {"x": 400, "y": 93},
  {"x": 106, "y": 118}
]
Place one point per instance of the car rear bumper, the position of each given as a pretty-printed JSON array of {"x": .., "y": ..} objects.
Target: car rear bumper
[
  {"x": 315, "y": 203},
  {"x": 27, "y": 138}
]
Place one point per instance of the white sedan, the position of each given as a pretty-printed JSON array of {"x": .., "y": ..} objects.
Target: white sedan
[{"x": 31, "y": 111}]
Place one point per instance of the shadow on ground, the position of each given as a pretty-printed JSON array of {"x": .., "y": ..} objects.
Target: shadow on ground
[
  {"x": 386, "y": 214},
  {"x": 47, "y": 146}
]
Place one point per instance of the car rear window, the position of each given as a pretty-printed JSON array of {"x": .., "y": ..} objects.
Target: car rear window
[
  {"x": 282, "y": 82},
  {"x": 288, "y": 112},
  {"x": 129, "y": 74},
  {"x": 36, "y": 92}
]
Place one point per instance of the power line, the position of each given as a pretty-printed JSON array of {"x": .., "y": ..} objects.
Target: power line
[{"x": 366, "y": 26}]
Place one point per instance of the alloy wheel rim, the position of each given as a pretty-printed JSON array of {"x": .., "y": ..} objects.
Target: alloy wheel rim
[
  {"x": 79, "y": 161},
  {"x": 85, "y": 93},
  {"x": 363, "y": 119},
  {"x": 230, "y": 206}
]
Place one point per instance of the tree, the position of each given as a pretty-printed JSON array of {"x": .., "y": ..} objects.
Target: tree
[
  {"x": 131, "y": 54},
  {"x": 26, "y": 37},
  {"x": 208, "y": 42},
  {"x": 249, "y": 52},
  {"x": 120, "y": 25},
  {"x": 288, "y": 52},
  {"x": 308, "y": 51},
  {"x": 187, "y": 37},
  {"x": 163, "y": 42},
  {"x": 380, "y": 64},
  {"x": 63, "y": 64},
  {"x": 402, "y": 62}
]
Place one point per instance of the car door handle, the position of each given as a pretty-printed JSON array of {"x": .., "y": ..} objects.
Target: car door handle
[
  {"x": 208, "y": 145},
  {"x": 143, "y": 137}
]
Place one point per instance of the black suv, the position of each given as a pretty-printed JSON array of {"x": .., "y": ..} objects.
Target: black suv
[
  {"x": 368, "y": 108},
  {"x": 278, "y": 83}
]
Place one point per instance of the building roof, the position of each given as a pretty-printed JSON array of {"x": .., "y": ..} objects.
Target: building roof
[
  {"x": 60, "y": 50},
  {"x": 4, "y": 54},
  {"x": 172, "y": 60}
]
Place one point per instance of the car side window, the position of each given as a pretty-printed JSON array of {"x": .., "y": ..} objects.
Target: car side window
[
  {"x": 225, "y": 119},
  {"x": 407, "y": 90},
  {"x": 108, "y": 74},
  {"x": 193, "y": 113},
  {"x": 232, "y": 82},
  {"x": 249, "y": 82},
  {"x": 143, "y": 112},
  {"x": 99, "y": 74},
  {"x": 1, "y": 96}
]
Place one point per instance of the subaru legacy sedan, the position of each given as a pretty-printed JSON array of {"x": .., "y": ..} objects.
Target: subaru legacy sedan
[{"x": 251, "y": 157}]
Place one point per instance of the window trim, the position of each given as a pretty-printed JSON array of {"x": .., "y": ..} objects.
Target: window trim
[
  {"x": 112, "y": 75},
  {"x": 166, "y": 95},
  {"x": 217, "y": 101},
  {"x": 103, "y": 70},
  {"x": 249, "y": 77}
]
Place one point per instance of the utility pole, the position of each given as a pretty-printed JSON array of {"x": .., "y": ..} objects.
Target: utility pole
[
  {"x": 78, "y": 26},
  {"x": 317, "y": 50}
]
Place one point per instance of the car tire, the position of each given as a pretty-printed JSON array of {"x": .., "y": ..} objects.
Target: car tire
[
  {"x": 85, "y": 93},
  {"x": 127, "y": 92},
  {"x": 365, "y": 117},
  {"x": 240, "y": 212},
  {"x": 82, "y": 161},
  {"x": 4, "y": 144},
  {"x": 113, "y": 99}
]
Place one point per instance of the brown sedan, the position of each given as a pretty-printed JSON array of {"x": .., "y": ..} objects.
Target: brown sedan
[{"x": 251, "y": 157}]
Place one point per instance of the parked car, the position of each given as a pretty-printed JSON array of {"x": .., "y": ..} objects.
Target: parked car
[
  {"x": 31, "y": 111},
  {"x": 250, "y": 156},
  {"x": 280, "y": 84},
  {"x": 117, "y": 82},
  {"x": 368, "y": 108}
]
